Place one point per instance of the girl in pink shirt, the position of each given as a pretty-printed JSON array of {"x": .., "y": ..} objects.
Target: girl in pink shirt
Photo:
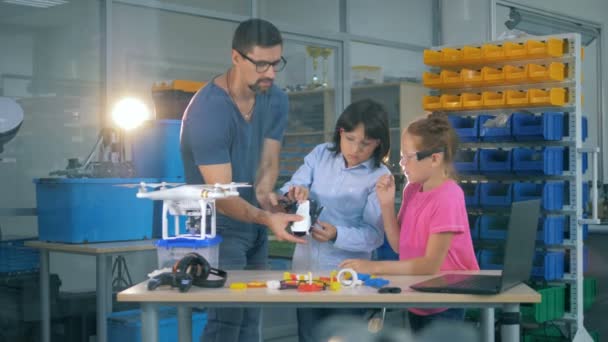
[{"x": 431, "y": 232}]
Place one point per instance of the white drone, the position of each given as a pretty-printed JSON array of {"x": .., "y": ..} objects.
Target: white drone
[{"x": 189, "y": 200}]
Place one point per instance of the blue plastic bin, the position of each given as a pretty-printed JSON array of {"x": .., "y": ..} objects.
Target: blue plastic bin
[
  {"x": 551, "y": 193},
  {"x": 467, "y": 161},
  {"x": 551, "y": 229},
  {"x": 495, "y": 160},
  {"x": 125, "y": 326},
  {"x": 546, "y": 161},
  {"x": 17, "y": 258},
  {"x": 80, "y": 210},
  {"x": 502, "y": 133},
  {"x": 585, "y": 128},
  {"x": 155, "y": 150},
  {"x": 385, "y": 252},
  {"x": 471, "y": 194},
  {"x": 491, "y": 259},
  {"x": 466, "y": 127},
  {"x": 548, "y": 126},
  {"x": 493, "y": 194},
  {"x": 493, "y": 227},
  {"x": 548, "y": 265}
]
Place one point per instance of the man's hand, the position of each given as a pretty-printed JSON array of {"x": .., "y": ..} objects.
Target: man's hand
[
  {"x": 385, "y": 190},
  {"x": 359, "y": 265},
  {"x": 268, "y": 201},
  {"x": 297, "y": 193},
  {"x": 277, "y": 223},
  {"x": 327, "y": 232}
]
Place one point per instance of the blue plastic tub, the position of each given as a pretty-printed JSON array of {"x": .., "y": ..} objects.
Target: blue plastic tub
[
  {"x": 155, "y": 150},
  {"x": 466, "y": 127},
  {"x": 547, "y": 126},
  {"x": 495, "y": 194},
  {"x": 548, "y": 265},
  {"x": 491, "y": 259},
  {"x": 125, "y": 326},
  {"x": 551, "y": 193},
  {"x": 546, "y": 161},
  {"x": 467, "y": 161},
  {"x": 471, "y": 194},
  {"x": 80, "y": 210},
  {"x": 551, "y": 230},
  {"x": 474, "y": 225},
  {"x": 502, "y": 133},
  {"x": 495, "y": 160},
  {"x": 493, "y": 227},
  {"x": 17, "y": 258}
]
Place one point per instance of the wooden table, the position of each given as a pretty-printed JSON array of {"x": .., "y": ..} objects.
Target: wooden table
[
  {"x": 360, "y": 297},
  {"x": 103, "y": 253}
]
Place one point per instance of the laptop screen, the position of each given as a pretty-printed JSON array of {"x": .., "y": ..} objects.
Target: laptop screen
[{"x": 521, "y": 238}]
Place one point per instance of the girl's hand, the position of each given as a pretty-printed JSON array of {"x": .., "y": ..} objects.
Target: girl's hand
[
  {"x": 327, "y": 232},
  {"x": 385, "y": 190},
  {"x": 360, "y": 265},
  {"x": 297, "y": 193}
]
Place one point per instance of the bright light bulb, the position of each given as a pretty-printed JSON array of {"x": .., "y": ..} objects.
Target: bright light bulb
[{"x": 129, "y": 113}]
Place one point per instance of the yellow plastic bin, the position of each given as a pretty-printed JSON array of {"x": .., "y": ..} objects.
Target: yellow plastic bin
[
  {"x": 431, "y": 57},
  {"x": 492, "y": 52},
  {"x": 517, "y": 98},
  {"x": 431, "y": 80},
  {"x": 471, "y": 77},
  {"x": 450, "y": 102},
  {"x": 492, "y": 76},
  {"x": 450, "y": 78},
  {"x": 471, "y": 100},
  {"x": 516, "y": 74},
  {"x": 471, "y": 54},
  {"x": 492, "y": 99},
  {"x": 431, "y": 103},
  {"x": 515, "y": 50},
  {"x": 451, "y": 56},
  {"x": 547, "y": 97},
  {"x": 553, "y": 47},
  {"x": 555, "y": 71}
]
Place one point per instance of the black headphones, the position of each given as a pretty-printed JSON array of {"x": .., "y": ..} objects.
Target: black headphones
[{"x": 199, "y": 269}]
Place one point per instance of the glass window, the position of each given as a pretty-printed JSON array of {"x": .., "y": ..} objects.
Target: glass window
[
  {"x": 391, "y": 77},
  {"x": 241, "y": 7},
  {"x": 406, "y": 21},
  {"x": 169, "y": 46},
  {"x": 50, "y": 66},
  {"x": 311, "y": 15},
  {"x": 309, "y": 80}
]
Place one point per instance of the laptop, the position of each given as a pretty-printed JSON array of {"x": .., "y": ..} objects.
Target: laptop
[{"x": 519, "y": 254}]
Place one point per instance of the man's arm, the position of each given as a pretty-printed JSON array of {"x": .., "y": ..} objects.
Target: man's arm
[
  {"x": 239, "y": 209},
  {"x": 267, "y": 174}
]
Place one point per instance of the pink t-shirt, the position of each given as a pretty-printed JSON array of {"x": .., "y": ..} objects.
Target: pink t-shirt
[{"x": 439, "y": 210}]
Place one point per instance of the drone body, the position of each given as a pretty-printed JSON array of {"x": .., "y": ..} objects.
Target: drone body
[{"x": 190, "y": 200}]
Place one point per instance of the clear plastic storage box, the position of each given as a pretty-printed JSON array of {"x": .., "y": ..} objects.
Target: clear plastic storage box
[{"x": 172, "y": 250}]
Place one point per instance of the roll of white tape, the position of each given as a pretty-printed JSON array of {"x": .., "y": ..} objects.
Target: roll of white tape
[
  {"x": 273, "y": 284},
  {"x": 341, "y": 277}
]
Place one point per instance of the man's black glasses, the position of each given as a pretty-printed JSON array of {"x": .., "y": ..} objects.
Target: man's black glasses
[{"x": 263, "y": 66}]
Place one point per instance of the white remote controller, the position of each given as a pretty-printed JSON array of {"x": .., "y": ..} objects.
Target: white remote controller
[{"x": 301, "y": 228}]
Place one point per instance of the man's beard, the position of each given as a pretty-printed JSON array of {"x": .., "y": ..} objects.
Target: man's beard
[{"x": 256, "y": 88}]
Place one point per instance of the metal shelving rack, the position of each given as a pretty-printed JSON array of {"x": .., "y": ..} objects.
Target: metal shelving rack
[{"x": 574, "y": 318}]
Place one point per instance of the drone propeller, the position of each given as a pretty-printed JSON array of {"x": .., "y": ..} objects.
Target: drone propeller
[
  {"x": 144, "y": 185},
  {"x": 227, "y": 186}
]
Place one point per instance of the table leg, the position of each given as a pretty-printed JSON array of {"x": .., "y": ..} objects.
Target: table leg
[
  {"x": 184, "y": 323},
  {"x": 487, "y": 324},
  {"x": 149, "y": 322},
  {"x": 109, "y": 289},
  {"x": 45, "y": 300},
  {"x": 102, "y": 296},
  {"x": 509, "y": 329}
]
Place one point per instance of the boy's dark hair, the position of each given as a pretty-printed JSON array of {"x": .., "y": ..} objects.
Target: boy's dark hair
[
  {"x": 255, "y": 32},
  {"x": 375, "y": 122}
]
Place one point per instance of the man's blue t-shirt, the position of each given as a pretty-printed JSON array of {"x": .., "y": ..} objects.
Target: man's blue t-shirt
[{"x": 214, "y": 132}]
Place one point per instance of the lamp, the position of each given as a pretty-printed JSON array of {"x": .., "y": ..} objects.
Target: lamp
[
  {"x": 542, "y": 25},
  {"x": 129, "y": 113},
  {"x": 11, "y": 117}
]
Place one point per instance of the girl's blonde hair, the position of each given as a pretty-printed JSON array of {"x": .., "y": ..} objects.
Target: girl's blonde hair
[{"x": 436, "y": 133}]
